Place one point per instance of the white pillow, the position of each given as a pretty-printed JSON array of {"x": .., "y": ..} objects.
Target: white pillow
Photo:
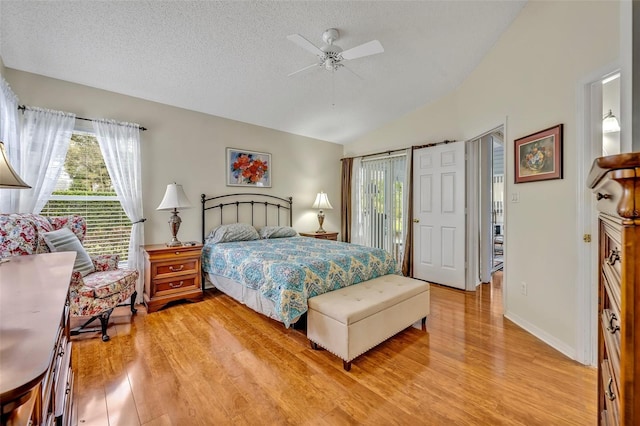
[
  {"x": 277, "y": 232},
  {"x": 232, "y": 232},
  {"x": 64, "y": 239}
]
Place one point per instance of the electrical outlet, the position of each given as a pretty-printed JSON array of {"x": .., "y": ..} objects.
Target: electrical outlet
[{"x": 523, "y": 288}]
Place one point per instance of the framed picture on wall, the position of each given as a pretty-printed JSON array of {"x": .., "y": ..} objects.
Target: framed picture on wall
[
  {"x": 539, "y": 156},
  {"x": 248, "y": 168}
]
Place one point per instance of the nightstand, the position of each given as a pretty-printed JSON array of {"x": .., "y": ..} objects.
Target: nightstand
[
  {"x": 321, "y": 235},
  {"x": 171, "y": 273}
]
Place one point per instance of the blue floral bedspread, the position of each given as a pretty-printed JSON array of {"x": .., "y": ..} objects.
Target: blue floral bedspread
[{"x": 288, "y": 271}]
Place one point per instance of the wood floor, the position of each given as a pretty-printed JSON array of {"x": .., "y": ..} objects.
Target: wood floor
[{"x": 217, "y": 362}]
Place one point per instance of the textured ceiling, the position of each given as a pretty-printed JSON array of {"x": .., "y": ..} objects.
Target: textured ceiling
[{"x": 232, "y": 58}]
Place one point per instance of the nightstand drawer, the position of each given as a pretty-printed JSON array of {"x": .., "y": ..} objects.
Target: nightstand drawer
[
  {"x": 321, "y": 235},
  {"x": 171, "y": 268},
  {"x": 175, "y": 285}
]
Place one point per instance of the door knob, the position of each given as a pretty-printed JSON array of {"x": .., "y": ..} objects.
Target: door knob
[{"x": 416, "y": 220}]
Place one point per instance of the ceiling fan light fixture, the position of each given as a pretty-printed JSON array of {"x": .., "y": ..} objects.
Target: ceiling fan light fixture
[{"x": 331, "y": 55}]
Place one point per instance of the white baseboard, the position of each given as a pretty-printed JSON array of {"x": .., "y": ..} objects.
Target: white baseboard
[{"x": 542, "y": 335}]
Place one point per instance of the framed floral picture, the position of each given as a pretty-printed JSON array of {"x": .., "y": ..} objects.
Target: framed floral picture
[
  {"x": 248, "y": 168},
  {"x": 539, "y": 156}
]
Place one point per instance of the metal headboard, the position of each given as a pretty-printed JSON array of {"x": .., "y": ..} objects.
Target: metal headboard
[{"x": 266, "y": 203}]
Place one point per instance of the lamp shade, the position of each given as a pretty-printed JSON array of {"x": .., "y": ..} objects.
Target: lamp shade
[
  {"x": 8, "y": 177},
  {"x": 610, "y": 123},
  {"x": 174, "y": 198},
  {"x": 322, "y": 201}
]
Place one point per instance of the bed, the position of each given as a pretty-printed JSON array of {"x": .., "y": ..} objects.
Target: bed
[{"x": 252, "y": 254}]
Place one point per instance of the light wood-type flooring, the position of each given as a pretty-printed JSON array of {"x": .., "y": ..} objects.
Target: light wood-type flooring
[{"x": 217, "y": 362}]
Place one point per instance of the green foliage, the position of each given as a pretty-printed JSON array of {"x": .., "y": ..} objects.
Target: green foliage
[
  {"x": 85, "y": 165},
  {"x": 83, "y": 193}
]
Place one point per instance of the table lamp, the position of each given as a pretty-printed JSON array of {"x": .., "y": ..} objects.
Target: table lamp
[
  {"x": 174, "y": 199},
  {"x": 321, "y": 202},
  {"x": 8, "y": 177}
]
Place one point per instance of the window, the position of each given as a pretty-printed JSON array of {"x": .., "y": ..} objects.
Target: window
[
  {"x": 379, "y": 204},
  {"x": 84, "y": 188}
]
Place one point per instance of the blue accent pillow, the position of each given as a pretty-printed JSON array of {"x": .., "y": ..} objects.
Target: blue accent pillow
[
  {"x": 277, "y": 232},
  {"x": 64, "y": 239},
  {"x": 232, "y": 232}
]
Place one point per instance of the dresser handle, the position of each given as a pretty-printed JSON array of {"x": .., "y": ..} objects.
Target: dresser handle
[
  {"x": 600, "y": 196},
  {"x": 611, "y": 328},
  {"x": 614, "y": 256},
  {"x": 608, "y": 392},
  {"x": 172, "y": 269},
  {"x": 172, "y": 285}
]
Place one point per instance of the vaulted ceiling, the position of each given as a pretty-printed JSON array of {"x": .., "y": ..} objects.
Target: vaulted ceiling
[{"x": 231, "y": 58}]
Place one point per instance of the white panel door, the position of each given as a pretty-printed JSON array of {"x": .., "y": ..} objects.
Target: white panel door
[{"x": 438, "y": 214}]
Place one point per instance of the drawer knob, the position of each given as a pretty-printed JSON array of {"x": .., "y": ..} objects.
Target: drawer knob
[
  {"x": 612, "y": 328},
  {"x": 608, "y": 392},
  {"x": 614, "y": 256},
  {"x": 600, "y": 196},
  {"x": 174, "y": 285},
  {"x": 172, "y": 269}
]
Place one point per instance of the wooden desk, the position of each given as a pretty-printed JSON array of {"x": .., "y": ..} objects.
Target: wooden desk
[{"x": 33, "y": 295}]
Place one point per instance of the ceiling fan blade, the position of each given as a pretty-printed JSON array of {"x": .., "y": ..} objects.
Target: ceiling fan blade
[
  {"x": 305, "y": 44},
  {"x": 351, "y": 71},
  {"x": 371, "y": 48},
  {"x": 303, "y": 69}
]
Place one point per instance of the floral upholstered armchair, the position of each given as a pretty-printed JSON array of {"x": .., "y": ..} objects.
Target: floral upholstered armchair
[{"x": 96, "y": 287}]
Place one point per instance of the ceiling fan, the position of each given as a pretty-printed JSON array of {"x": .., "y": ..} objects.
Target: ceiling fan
[{"x": 330, "y": 56}]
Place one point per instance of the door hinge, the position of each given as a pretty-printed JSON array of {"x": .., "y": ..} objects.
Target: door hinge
[{"x": 586, "y": 238}]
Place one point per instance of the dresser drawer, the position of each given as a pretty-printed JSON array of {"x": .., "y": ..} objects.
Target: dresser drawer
[
  {"x": 176, "y": 285},
  {"x": 175, "y": 266},
  {"x": 611, "y": 247},
  {"x": 611, "y": 332},
  {"x": 611, "y": 281},
  {"x": 611, "y": 395}
]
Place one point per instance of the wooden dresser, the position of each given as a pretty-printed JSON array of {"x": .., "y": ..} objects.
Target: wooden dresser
[
  {"x": 36, "y": 381},
  {"x": 615, "y": 181},
  {"x": 171, "y": 273}
]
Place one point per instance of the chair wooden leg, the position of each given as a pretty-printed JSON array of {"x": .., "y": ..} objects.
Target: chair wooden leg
[
  {"x": 133, "y": 302},
  {"x": 104, "y": 322}
]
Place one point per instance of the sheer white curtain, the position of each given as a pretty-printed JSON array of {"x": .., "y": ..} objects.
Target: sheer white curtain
[
  {"x": 357, "y": 214},
  {"x": 10, "y": 135},
  {"x": 44, "y": 141},
  {"x": 120, "y": 147}
]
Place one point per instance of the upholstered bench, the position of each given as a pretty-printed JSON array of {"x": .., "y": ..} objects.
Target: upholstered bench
[{"x": 354, "y": 319}]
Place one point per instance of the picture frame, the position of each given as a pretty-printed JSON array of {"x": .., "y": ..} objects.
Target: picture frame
[
  {"x": 248, "y": 168},
  {"x": 538, "y": 156}
]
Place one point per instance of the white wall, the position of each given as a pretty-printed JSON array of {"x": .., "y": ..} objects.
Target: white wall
[
  {"x": 528, "y": 81},
  {"x": 189, "y": 148}
]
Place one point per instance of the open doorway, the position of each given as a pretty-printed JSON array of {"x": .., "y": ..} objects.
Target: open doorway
[
  {"x": 599, "y": 99},
  {"x": 485, "y": 201},
  {"x": 497, "y": 201}
]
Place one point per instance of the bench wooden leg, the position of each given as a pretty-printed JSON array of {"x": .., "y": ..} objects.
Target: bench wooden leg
[
  {"x": 346, "y": 365},
  {"x": 314, "y": 345},
  {"x": 424, "y": 324}
]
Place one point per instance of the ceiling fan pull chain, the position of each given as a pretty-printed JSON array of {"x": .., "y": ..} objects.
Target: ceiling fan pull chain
[{"x": 333, "y": 89}]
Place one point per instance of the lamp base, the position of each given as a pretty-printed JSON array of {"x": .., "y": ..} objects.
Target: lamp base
[
  {"x": 174, "y": 243},
  {"x": 174, "y": 225},
  {"x": 320, "y": 222}
]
